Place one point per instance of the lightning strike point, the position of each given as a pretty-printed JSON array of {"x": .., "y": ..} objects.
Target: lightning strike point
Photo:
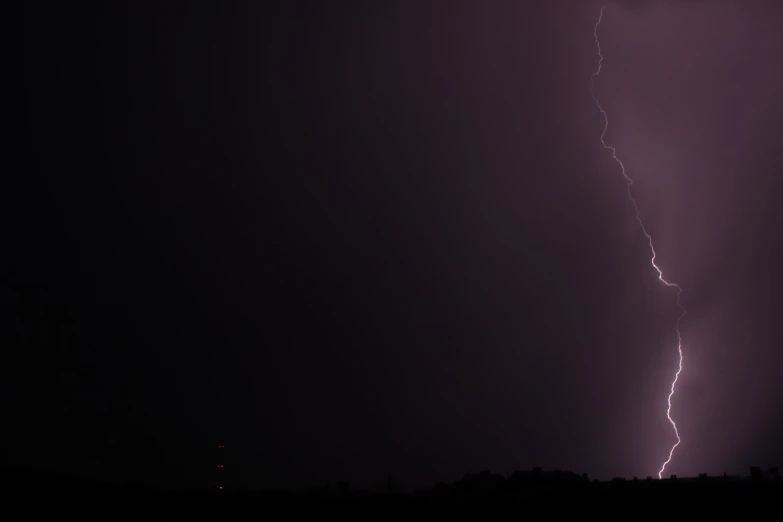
[{"x": 669, "y": 284}]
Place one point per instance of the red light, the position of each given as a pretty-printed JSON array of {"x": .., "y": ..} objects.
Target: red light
[
  {"x": 220, "y": 487},
  {"x": 220, "y": 465}
]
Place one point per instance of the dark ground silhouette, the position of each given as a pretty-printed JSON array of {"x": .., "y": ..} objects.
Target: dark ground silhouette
[{"x": 536, "y": 489}]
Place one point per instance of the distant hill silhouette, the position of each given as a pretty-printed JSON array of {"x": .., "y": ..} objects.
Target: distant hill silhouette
[{"x": 535, "y": 489}]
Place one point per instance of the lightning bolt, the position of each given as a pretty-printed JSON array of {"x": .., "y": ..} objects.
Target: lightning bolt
[{"x": 669, "y": 284}]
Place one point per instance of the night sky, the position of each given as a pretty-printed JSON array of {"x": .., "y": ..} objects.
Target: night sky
[{"x": 357, "y": 239}]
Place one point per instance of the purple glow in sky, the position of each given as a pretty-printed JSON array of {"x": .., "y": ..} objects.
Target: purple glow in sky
[{"x": 698, "y": 67}]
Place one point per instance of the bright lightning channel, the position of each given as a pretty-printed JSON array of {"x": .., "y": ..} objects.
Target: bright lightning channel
[{"x": 649, "y": 241}]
